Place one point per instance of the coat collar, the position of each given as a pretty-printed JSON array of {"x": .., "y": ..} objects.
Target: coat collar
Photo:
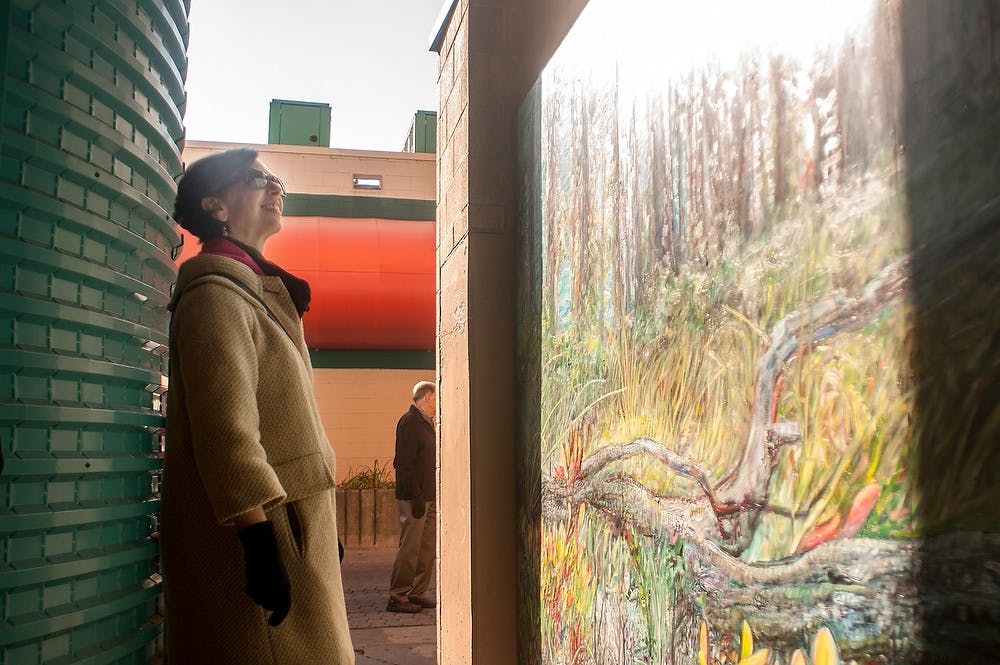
[
  {"x": 204, "y": 265},
  {"x": 232, "y": 274},
  {"x": 416, "y": 410}
]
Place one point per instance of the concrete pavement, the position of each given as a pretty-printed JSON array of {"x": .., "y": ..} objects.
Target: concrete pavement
[{"x": 380, "y": 637}]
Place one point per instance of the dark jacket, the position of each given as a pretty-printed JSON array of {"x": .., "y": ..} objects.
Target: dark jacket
[{"x": 415, "y": 460}]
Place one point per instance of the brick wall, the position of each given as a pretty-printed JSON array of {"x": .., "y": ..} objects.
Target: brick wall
[{"x": 359, "y": 408}]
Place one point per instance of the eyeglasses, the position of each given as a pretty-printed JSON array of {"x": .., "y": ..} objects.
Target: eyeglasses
[{"x": 257, "y": 179}]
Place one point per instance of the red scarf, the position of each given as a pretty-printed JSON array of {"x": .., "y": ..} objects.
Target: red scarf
[{"x": 223, "y": 247}]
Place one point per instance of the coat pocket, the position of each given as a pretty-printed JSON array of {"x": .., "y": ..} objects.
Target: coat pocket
[{"x": 295, "y": 528}]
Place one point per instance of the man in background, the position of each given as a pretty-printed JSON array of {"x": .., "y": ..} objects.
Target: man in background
[{"x": 414, "y": 464}]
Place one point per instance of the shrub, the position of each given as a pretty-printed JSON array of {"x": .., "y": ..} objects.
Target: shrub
[{"x": 376, "y": 477}]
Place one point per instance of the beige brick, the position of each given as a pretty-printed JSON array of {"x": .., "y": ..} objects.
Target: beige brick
[
  {"x": 457, "y": 194},
  {"x": 454, "y": 110},
  {"x": 460, "y": 136},
  {"x": 454, "y": 304},
  {"x": 460, "y": 226},
  {"x": 359, "y": 409},
  {"x": 442, "y": 227}
]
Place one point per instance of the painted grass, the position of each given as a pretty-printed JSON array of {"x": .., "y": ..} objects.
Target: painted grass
[{"x": 682, "y": 370}]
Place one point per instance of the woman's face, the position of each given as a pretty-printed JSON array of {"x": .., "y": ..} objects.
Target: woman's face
[{"x": 252, "y": 206}]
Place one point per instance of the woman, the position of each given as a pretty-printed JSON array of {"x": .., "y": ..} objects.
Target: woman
[{"x": 248, "y": 530}]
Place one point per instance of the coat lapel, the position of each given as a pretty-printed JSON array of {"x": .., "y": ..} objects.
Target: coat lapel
[{"x": 276, "y": 297}]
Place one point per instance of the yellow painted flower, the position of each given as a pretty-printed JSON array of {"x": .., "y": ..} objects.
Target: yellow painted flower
[
  {"x": 703, "y": 643},
  {"x": 759, "y": 657},
  {"x": 825, "y": 650},
  {"x": 746, "y": 642}
]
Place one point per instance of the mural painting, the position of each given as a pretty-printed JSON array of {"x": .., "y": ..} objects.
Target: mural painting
[{"x": 758, "y": 342}]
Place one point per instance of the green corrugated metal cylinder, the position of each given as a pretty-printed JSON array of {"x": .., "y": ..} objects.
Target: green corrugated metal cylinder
[{"x": 92, "y": 97}]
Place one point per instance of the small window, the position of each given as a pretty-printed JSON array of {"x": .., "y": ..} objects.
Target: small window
[{"x": 367, "y": 182}]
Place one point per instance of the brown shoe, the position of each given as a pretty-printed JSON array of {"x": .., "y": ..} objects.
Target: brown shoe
[
  {"x": 404, "y": 606},
  {"x": 423, "y": 601}
]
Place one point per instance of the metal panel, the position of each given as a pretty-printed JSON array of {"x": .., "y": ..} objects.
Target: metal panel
[
  {"x": 299, "y": 123},
  {"x": 425, "y": 132},
  {"x": 92, "y": 97}
]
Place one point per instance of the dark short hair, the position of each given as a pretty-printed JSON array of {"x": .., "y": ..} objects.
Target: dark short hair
[{"x": 207, "y": 177}]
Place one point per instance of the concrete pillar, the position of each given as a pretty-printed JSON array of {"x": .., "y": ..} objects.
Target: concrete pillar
[{"x": 491, "y": 53}]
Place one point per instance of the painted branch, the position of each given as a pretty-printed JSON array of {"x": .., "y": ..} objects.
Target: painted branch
[
  {"x": 836, "y": 583},
  {"x": 595, "y": 466},
  {"x": 892, "y": 600},
  {"x": 625, "y": 502},
  {"x": 871, "y": 590},
  {"x": 797, "y": 334},
  {"x": 740, "y": 497},
  {"x": 676, "y": 463}
]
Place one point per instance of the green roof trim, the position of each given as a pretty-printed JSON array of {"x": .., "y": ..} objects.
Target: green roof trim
[
  {"x": 337, "y": 205},
  {"x": 368, "y": 359}
]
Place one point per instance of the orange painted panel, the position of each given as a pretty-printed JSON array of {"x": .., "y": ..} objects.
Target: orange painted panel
[{"x": 372, "y": 280}]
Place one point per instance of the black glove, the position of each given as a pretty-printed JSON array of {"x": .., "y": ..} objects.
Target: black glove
[
  {"x": 419, "y": 506},
  {"x": 267, "y": 581}
]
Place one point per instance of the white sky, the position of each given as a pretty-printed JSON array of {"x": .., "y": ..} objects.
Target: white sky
[
  {"x": 675, "y": 36},
  {"x": 368, "y": 59}
]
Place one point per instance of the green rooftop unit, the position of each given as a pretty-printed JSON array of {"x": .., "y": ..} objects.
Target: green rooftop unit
[
  {"x": 299, "y": 123},
  {"x": 423, "y": 133}
]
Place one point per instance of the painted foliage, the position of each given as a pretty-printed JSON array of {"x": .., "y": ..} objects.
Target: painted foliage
[{"x": 760, "y": 339}]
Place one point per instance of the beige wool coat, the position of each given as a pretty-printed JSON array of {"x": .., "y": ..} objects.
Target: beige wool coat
[{"x": 243, "y": 431}]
